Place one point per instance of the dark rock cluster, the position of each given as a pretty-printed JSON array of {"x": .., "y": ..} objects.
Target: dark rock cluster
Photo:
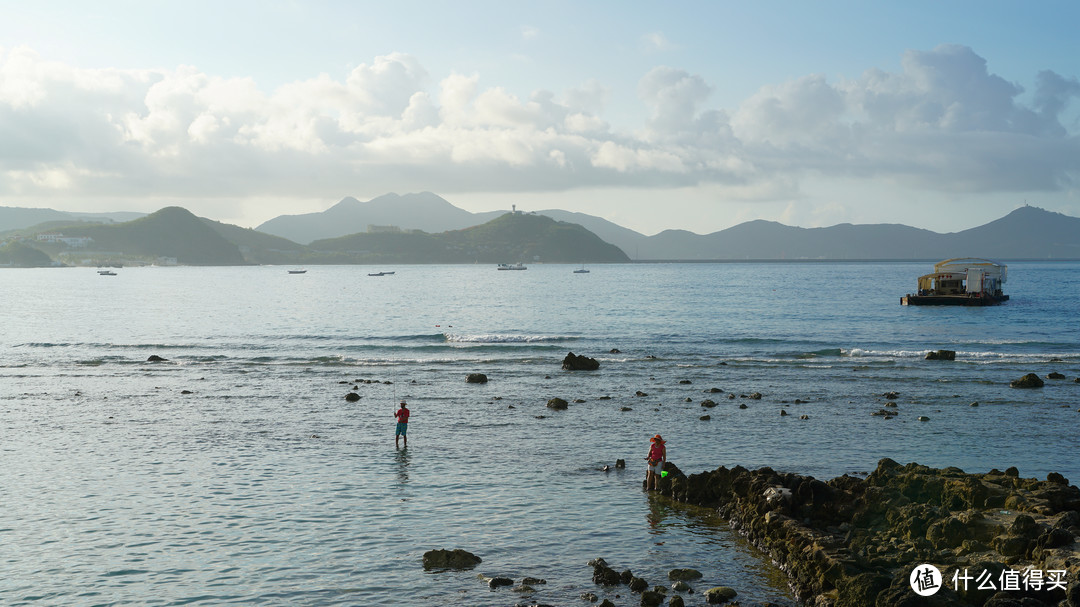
[{"x": 853, "y": 542}]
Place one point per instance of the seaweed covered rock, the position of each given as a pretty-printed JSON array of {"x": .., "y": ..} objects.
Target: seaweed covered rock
[
  {"x": 1028, "y": 381},
  {"x": 719, "y": 594},
  {"x": 558, "y": 404},
  {"x": 851, "y": 541},
  {"x": 941, "y": 355}
]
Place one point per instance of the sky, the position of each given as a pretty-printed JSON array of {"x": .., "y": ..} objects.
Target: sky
[{"x": 655, "y": 115}]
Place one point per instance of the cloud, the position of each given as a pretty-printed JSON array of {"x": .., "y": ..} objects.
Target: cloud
[
  {"x": 943, "y": 122},
  {"x": 655, "y": 42},
  {"x": 529, "y": 32}
]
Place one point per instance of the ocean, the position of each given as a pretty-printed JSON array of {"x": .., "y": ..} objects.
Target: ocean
[{"x": 235, "y": 472}]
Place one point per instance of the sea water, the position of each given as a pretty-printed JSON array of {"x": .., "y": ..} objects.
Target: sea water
[{"x": 236, "y": 472}]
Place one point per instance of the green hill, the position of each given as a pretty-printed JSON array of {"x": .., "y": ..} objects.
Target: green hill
[
  {"x": 21, "y": 255},
  {"x": 510, "y": 238},
  {"x": 170, "y": 232},
  {"x": 260, "y": 247}
]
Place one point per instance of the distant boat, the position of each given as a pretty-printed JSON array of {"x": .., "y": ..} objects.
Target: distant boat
[
  {"x": 297, "y": 271},
  {"x": 381, "y": 274},
  {"x": 961, "y": 282},
  {"x": 582, "y": 270},
  {"x": 106, "y": 273},
  {"x": 516, "y": 266}
]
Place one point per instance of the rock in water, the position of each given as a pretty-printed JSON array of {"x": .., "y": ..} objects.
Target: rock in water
[
  {"x": 941, "y": 355},
  {"x": 558, "y": 404},
  {"x": 719, "y": 594},
  {"x": 683, "y": 574},
  {"x": 1028, "y": 381},
  {"x": 352, "y": 397},
  {"x": 450, "y": 559},
  {"x": 476, "y": 378},
  {"x": 573, "y": 362},
  {"x": 154, "y": 358}
]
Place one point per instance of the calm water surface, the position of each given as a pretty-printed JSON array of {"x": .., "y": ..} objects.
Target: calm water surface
[{"x": 236, "y": 472}]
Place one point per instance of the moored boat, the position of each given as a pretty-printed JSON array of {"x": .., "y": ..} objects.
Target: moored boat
[
  {"x": 516, "y": 266},
  {"x": 963, "y": 281}
]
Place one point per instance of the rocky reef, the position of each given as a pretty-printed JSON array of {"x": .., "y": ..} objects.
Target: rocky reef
[{"x": 998, "y": 540}]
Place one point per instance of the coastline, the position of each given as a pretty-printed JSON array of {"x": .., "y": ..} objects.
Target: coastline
[{"x": 852, "y": 542}]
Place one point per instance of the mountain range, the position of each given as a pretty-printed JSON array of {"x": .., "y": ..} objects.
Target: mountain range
[
  {"x": 174, "y": 235},
  {"x": 423, "y": 227},
  {"x": 1026, "y": 233}
]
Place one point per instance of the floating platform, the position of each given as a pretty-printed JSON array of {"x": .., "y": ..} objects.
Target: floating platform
[
  {"x": 951, "y": 300},
  {"x": 964, "y": 281}
]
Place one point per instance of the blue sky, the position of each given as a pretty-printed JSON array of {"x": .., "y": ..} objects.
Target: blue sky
[{"x": 693, "y": 115}]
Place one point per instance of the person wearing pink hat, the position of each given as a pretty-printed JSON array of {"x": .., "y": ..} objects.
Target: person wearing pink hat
[{"x": 657, "y": 457}]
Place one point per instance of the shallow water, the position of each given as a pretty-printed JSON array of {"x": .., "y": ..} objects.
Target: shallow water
[{"x": 262, "y": 485}]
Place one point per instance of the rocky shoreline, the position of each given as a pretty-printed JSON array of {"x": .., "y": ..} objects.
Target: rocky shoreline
[{"x": 998, "y": 540}]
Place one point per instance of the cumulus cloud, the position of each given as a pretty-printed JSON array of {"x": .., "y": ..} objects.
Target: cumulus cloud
[{"x": 944, "y": 121}]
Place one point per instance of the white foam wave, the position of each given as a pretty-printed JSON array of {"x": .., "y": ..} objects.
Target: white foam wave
[
  {"x": 979, "y": 356},
  {"x": 496, "y": 338}
]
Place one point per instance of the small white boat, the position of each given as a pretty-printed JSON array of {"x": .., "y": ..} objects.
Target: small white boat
[
  {"x": 582, "y": 270},
  {"x": 516, "y": 266},
  {"x": 106, "y": 273}
]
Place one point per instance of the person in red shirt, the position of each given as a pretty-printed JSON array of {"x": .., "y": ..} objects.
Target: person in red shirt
[
  {"x": 656, "y": 459},
  {"x": 402, "y": 416}
]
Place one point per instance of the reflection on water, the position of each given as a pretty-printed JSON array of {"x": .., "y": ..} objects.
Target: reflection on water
[
  {"x": 658, "y": 511},
  {"x": 401, "y": 463}
]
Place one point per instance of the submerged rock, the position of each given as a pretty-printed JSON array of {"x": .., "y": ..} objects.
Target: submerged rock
[
  {"x": 1028, "y": 381},
  {"x": 154, "y": 358},
  {"x": 650, "y": 598},
  {"x": 1055, "y": 375},
  {"x": 352, "y": 397},
  {"x": 684, "y": 574},
  {"x": 719, "y": 594},
  {"x": 558, "y": 404}
]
